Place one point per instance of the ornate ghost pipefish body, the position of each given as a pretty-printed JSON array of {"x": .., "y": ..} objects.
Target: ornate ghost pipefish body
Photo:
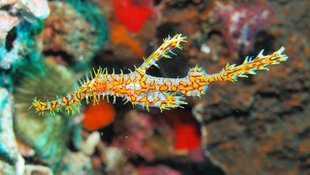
[{"x": 139, "y": 88}]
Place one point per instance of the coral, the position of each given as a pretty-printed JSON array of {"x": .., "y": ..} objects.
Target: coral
[
  {"x": 145, "y": 136},
  {"x": 12, "y": 12},
  {"x": 263, "y": 126},
  {"x": 114, "y": 158},
  {"x": 8, "y": 147},
  {"x": 47, "y": 136},
  {"x": 8, "y": 22},
  {"x": 243, "y": 22},
  {"x": 74, "y": 162},
  {"x": 132, "y": 13},
  {"x": 24, "y": 149},
  {"x": 6, "y": 169},
  {"x": 78, "y": 41},
  {"x": 119, "y": 35},
  {"x": 89, "y": 144},
  {"x": 98, "y": 116},
  {"x": 37, "y": 169},
  {"x": 137, "y": 140},
  {"x": 186, "y": 130},
  {"x": 39, "y": 8},
  {"x": 20, "y": 21},
  {"x": 151, "y": 91},
  {"x": 22, "y": 47}
]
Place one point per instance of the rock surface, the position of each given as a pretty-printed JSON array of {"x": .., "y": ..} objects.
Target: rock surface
[{"x": 261, "y": 125}]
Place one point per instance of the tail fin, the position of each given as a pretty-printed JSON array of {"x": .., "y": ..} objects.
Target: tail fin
[{"x": 249, "y": 66}]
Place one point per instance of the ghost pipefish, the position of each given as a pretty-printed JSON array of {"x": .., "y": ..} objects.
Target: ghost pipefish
[{"x": 139, "y": 88}]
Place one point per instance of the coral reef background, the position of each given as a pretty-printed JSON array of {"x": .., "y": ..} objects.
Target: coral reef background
[{"x": 258, "y": 125}]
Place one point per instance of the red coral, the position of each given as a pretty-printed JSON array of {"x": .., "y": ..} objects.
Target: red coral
[
  {"x": 132, "y": 14},
  {"x": 186, "y": 129}
]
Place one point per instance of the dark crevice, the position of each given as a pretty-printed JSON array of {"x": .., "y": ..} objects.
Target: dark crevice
[
  {"x": 263, "y": 41},
  {"x": 107, "y": 133},
  {"x": 267, "y": 94},
  {"x": 165, "y": 29},
  {"x": 154, "y": 71},
  {"x": 304, "y": 134},
  {"x": 183, "y": 4},
  {"x": 157, "y": 2},
  {"x": 305, "y": 167},
  {"x": 180, "y": 164},
  {"x": 64, "y": 55},
  {"x": 6, "y": 7},
  {"x": 236, "y": 113},
  {"x": 214, "y": 32},
  {"x": 292, "y": 110},
  {"x": 10, "y": 39},
  {"x": 227, "y": 139}
]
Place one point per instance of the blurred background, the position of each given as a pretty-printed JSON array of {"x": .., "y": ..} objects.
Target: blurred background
[{"x": 256, "y": 126}]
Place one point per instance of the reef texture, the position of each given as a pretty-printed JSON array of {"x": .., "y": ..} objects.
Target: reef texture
[
  {"x": 49, "y": 136},
  {"x": 258, "y": 125},
  {"x": 12, "y": 13},
  {"x": 74, "y": 32},
  {"x": 19, "y": 22},
  {"x": 261, "y": 125},
  {"x": 8, "y": 147}
]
